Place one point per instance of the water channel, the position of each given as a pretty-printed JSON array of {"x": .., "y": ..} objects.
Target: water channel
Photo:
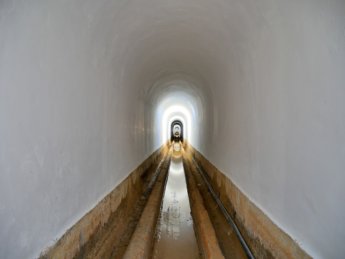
[{"x": 175, "y": 237}]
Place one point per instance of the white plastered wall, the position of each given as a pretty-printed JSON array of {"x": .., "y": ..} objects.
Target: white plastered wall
[
  {"x": 80, "y": 83},
  {"x": 71, "y": 126}
]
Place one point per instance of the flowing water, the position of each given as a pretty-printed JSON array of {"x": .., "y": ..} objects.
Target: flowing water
[{"x": 175, "y": 236}]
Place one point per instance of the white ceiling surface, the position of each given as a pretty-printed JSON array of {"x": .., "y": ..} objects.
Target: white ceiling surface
[{"x": 84, "y": 86}]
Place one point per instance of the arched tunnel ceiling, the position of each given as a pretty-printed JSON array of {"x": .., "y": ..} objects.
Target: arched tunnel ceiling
[
  {"x": 165, "y": 38},
  {"x": 83, "y": 81}
]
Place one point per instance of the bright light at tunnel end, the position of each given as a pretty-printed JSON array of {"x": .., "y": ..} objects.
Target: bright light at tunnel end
[
  {"x": 166, "y": 114},
  {"x": 174, "y": 102},
  {"x": 176, "y": 112}
]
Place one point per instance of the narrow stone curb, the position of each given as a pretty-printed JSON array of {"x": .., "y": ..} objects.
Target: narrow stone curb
[
  {"x": 205, "y": 233},
  {"x": 141, "y": 243}
]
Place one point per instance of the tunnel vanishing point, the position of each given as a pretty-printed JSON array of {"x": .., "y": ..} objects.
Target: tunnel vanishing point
[{"x": 145, "y": 129}]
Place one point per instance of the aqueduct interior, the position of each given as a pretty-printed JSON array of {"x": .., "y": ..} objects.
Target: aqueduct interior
[{"x": 89, "y": 89}]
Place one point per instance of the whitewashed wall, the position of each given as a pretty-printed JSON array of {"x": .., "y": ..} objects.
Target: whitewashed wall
[{"x": 81, "y": 81}]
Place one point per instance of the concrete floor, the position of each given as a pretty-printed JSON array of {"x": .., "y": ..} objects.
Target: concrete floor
[{"x": 158, "y": 225}]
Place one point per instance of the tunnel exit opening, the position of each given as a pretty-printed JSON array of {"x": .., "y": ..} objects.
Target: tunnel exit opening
[
  {"x": 176, "y": 132},
  {"x": 178, "y": 97}
]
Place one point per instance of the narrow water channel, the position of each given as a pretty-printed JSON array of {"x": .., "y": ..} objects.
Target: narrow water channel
[{"x": 175, "y": 236}]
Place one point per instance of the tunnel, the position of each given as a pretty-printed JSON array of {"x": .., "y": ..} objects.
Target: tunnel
[
  {"x": 89, "y": 91},
  {"x": 176, "y": 132}
]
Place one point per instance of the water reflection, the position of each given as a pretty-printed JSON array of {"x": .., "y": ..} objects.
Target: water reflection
[
  {"x": 177, "y": 146},
  {"x": 175, "y": 234}
]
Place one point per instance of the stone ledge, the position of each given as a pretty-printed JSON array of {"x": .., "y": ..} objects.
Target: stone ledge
[
  {"x": 264, "y": 237},
  {"x": 70, "y": 244}
]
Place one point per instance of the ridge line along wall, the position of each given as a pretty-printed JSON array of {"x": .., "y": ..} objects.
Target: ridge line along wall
[{"x": 264, "y": 237}]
